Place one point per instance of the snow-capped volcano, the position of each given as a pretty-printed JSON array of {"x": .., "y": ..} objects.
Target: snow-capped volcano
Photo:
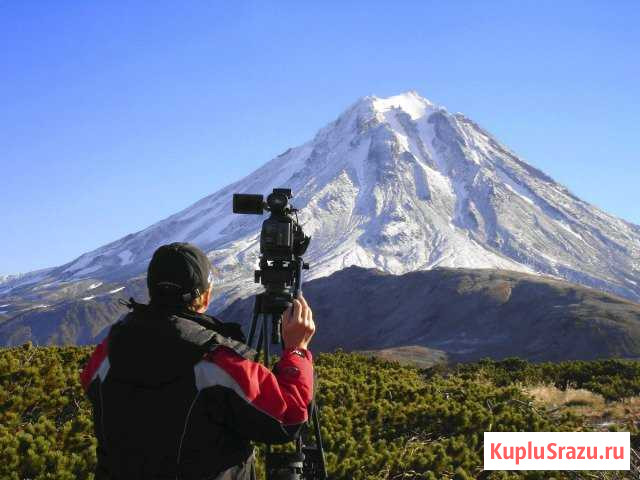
[{"x": 395, "y": 183}]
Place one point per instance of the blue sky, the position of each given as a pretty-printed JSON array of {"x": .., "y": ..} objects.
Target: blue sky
[{"x": 114, "y": 115}]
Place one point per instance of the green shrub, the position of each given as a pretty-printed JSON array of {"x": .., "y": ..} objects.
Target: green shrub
[{"x": 379, "y": 420}]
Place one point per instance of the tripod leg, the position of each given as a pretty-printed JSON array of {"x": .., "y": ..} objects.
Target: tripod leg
[
  {"x": 316, "y": 428},
  {"x": 265, "y": 330},
  {"x": 256, "y": 309},
  {"x": 259, "y": 344},
  {"x": 264, "y": 336}
]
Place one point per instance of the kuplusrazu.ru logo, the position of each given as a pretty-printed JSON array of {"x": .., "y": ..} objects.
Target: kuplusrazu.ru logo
[{"x": 557, "y": 451}]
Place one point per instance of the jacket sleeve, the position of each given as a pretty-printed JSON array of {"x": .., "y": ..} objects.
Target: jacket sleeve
[
  {"x": 96, "y": 366},
  {"x": 259, "y": 404},
  {"x": 93, "y": 373}
]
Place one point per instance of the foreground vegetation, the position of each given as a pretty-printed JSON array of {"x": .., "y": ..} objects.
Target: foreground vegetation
[{"x": 380, "y": 420}]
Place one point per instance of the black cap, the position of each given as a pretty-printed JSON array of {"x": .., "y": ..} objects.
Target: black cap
[{"x": 178, "y": 273}]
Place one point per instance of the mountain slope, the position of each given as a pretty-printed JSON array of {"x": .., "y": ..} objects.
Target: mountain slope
[
  {"x": 465, "y": 314},
  {"x": 427, "y": 316},
  {"x": 397, "y": 184}
]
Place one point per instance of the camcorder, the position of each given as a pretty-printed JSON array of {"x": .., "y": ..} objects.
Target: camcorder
[{"x": 282, "y": 244}]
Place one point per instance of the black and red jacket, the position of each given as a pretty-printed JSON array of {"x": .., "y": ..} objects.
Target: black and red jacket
[{"x": 174, "y": 397}]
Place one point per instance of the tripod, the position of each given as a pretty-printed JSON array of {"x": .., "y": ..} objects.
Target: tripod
[{"x": 308, "y": 461}]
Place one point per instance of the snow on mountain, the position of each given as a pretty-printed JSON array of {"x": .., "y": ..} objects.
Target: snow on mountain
[
  {"x": 8, "y": 277},
  {"x": 395, "y": 183}
]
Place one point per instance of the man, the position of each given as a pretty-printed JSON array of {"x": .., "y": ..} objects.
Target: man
[{"x": 174, "y": 392}]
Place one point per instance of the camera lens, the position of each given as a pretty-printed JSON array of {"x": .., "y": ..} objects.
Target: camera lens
[{"x": 247, "y": 203}]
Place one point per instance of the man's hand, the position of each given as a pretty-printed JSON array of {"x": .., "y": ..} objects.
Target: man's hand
[{"x": 297, "y": 324}]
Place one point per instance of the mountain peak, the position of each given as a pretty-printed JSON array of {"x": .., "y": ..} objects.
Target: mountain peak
[{"x": 410, "y": 102}]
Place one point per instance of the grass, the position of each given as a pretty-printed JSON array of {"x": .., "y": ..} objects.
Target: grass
[{"x": 592, "y": 407}]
